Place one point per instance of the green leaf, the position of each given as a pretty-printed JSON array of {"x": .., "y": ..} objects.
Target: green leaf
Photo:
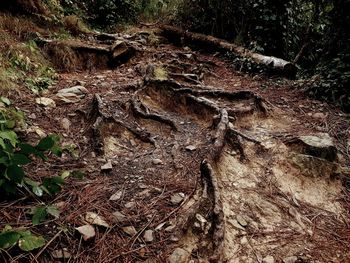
[
  {"x": 52, "y": 210},
  {"x": 46, "y": 143},
  {"x": 29, "y": 243},
  {"x": 78, "y": 174},
  {"x": 38, "y": 191},
  {"x": 8, "y": 239},
  {"x": 10, "y": 124},
  {"x": 15, "y": 173},
  {"x": 2, "y": 143},
  {"x": 53, "y": 185},
  {"x": 65, "y": 174},
  {"x": 5, "y": 100},
  {"x": 20, "y": 159},
  {"x": 27, "y": 149},
  {"x": 39, "y": 214},
  {"x": 9, "y": 135}
]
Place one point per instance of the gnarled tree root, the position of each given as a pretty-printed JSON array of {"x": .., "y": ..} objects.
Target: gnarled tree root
[
  {"x": 98, "y": 116},
  {"x": 136, "y": 105}
]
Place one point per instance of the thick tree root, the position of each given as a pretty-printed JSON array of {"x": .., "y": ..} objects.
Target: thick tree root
[
  {"x": 136, "y": 107},
  {"x": 220, "y": 134},
  {"x": 98, "y": 117},
  {"x": 211, "y": 92},
  {"x": 217, "y": 220}
]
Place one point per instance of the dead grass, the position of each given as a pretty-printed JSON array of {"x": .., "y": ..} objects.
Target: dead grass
[
  {"x": 75, "y": 25},
  {"x": 19, "y": 28},
  {"x": 62, "y": 57}
]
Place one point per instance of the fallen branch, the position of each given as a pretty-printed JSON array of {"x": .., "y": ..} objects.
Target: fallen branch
[{"x": 178, "y": 35}]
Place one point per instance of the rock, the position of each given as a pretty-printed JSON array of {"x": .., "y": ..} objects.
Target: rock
[
  {"x": 177, "y": 198},
  {"x": 202, "y": 223},
  {"x": 319, "y": 145},
  {"x": 87, "y": 231},
  {"x": 319, "y": 115},
  {"x": 41, "y": 133},
  {"x": 107, "y": 166},
  {"x": 241, "y": 221},
  {"x": 236, "y": 224},
  {"x": 170, "y": 228},
  {"x": 61, "y": 254},
  {"x": 129, "y": 205},
  {"x": 148, "y": 236},
  {"x": 191, "y": 148},
  {"x": 116, "y": 196},
  {"x": 32, "y": 116},
  {"x": 179, "y": 256},
  {"x": 130, "y": 230},
  {"x": 46, "y": 102},
  {"x": 312, "y": 166},
  {"x": 95, "y": 219},
  {"x": 268, "y": 259},
  {"x": 160, "y": 226},
  {"x": 119, "y": 217},
  {"x": 68, "y": 97},
  {"x": 65, "y": 123},
  {"x": 292, "y": 259},
  {"x": 157, "y": 162},
  {"x": 77, "y": 90}
]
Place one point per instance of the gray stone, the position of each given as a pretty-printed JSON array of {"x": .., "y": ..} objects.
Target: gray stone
[
  {"x": 116, "y": 196},
  {"x": 148, "y": 236},
  {"x": 157, "y": 162},
  {"x": 179, "y": 256},
  {"x": 61, "y": 254},
  {"x": 78, "y": 90},
  {"x": 241, "y": 221},
  {"x": 177, "y": 198},
  {"x": 107, "y": 166},
  {"x": 268, "y": 259},
  {"x": 46, "y": 102},
  {"x": 119, "y": 217},
  {"x": 130, "y": 230},
  {"x": 319, "y": 145},
  {"x": 191, "y": 148},
  {"x": 65, "y": 123},
  {"x": 312, "y": 166},
  {"x": 87, "y": 231},
  {"x": 291, "y": 259},
  {"x": 170, "y": 228},
  {"x": 68, "y": 97},
  {"x": 130, "y": 205}
]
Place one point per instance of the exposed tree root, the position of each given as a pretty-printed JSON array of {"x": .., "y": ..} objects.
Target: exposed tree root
[
  {"x": 220, "y": 134},
  {"x": 218, "y": 222},
  {"x": 210, "y": 92},
  {"x": 136, "y": 107},
  {"x": 98, "y": 117}
]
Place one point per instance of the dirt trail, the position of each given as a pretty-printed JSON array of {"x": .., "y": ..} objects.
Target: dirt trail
[{"x": 206, "y": 158}]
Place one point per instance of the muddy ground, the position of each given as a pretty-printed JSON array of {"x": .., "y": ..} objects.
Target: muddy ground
[{"x": 188, "y": 160}]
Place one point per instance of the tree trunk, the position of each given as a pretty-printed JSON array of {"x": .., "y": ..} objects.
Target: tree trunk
[{"x": 181, "y": 36}]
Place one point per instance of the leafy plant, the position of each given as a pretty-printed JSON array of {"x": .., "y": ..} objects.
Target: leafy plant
[
  {"x": 25, "y": 240},
  {"x": 14, "y": 155},
  {"x": 41, "y": 212}
]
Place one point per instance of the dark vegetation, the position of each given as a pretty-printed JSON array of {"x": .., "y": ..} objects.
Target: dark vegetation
[{"x": 313, "y": 34}]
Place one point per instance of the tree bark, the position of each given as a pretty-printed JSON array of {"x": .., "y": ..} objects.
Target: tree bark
[{"x": 180, "y": 36}]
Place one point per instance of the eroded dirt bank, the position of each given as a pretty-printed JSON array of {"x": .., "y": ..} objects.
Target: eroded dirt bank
[{"x": 190, "y": 161}]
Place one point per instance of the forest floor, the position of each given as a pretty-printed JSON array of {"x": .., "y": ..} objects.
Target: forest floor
[{"x": 188, "y": 160}]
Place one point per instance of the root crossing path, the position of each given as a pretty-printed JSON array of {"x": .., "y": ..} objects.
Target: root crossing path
[{"x": 188, "y": 160}]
